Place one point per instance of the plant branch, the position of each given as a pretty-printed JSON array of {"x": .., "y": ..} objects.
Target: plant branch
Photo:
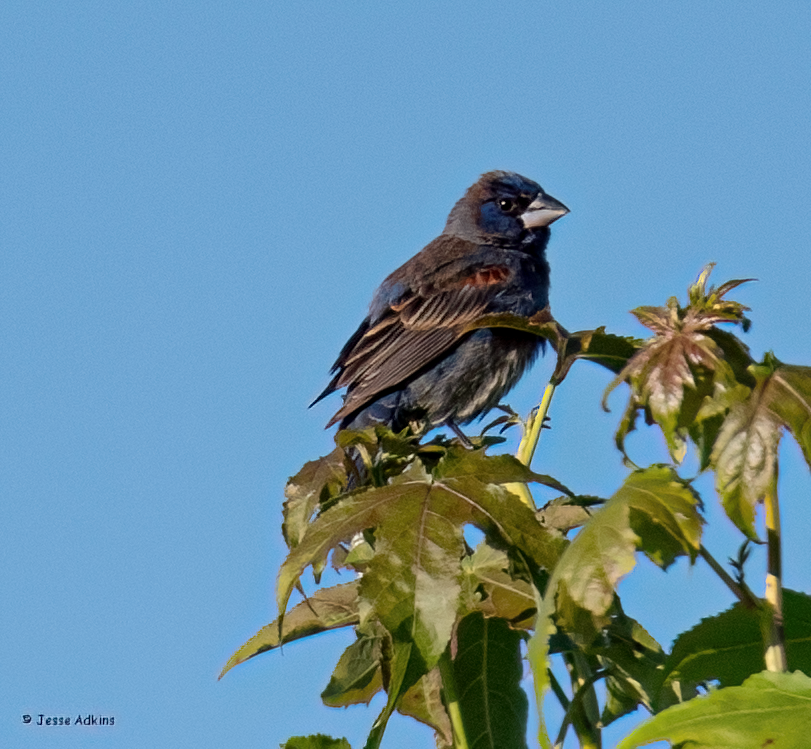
[
  {"x": 576, "y": 702},
  {"x": 529, "y": 441},
  {"x": 532, "y": 433},
  {"x": 584, "y": 711},
  {"x": 558, "y": 689},
  {"x": 775, "y": 636},
  {"x": 741, "y": 590}
]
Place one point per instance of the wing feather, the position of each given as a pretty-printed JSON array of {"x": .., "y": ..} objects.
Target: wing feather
[{"x": 411, "y": 332}]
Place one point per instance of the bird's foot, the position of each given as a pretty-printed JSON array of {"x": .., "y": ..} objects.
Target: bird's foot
[{"x": 459, "y": 433}]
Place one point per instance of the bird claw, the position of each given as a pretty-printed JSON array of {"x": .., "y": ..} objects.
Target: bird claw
[{"x": 460, "y": 434}]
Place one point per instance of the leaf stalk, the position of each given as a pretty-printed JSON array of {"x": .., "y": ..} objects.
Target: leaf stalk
[
  {"x": 741, "y": 590},
  {"x": 583, "y": 711},
  {"x": 452, "y": 700}
]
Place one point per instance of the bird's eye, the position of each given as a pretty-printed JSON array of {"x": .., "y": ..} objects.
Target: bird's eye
[{"x": 506, "y": 204}]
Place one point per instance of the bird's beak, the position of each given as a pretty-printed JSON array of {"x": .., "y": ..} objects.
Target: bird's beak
[{"x": 543, "y": 211}]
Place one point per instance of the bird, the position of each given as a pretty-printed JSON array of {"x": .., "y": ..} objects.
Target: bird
[{"x": 413, "y": 361}]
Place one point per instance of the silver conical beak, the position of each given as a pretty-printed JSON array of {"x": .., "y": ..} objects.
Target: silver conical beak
[{"x": 543, "y": 211}]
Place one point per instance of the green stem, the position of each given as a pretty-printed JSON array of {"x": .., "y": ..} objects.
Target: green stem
[
  {"x": 584, "y": 710},
  {"x": 557, "y": 689},
  {"x": 741, "y": 590},
  {"x": 775, "y": 637},
  {"x": 452, "y": 700},
  {"x": 577, "y": 702},
  {"x": 526, "y": 448}
]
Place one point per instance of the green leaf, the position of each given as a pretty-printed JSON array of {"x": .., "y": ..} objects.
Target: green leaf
[
  {"x": 405, "y": 670},
  {"x": 608, "y": 350},
  {"x": 424, "y": 702},
  {"x": 663, "y": 512},
  {"x": 791, "y": 401},
  {"x": 358, "y": 676},
  {"x": 635, "y": 664},
  {"x": 541, "y": 324},
  {"x": 745, "y": 452},
  {"x": 316, "y": 481},
  {"x": 654, "y": 511},
  {"x": 707, "y": 421},
  {"x": 412, "y": 583},
  {"x": 318, "y": 741},
  {"x": 490, "y": 588},
  {"x": 329, "y": 608},
  {"x": 601, "y": 554},
  {"x": 566, "y": 513},
  {"x": 494, "y": 469},
  {"x": 728, "y": 647},
  {"x": 488, "y": 672},
  {"x": 770, "y": 710}
]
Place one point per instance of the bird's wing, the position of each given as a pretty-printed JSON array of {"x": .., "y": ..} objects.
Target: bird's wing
[{"x": 411, "y": 332}]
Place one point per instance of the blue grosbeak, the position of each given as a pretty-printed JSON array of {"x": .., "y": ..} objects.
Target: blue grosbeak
[{"x": 411, "y": 361}]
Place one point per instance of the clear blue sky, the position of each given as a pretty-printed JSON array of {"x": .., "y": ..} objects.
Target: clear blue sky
[{"x": 196, "y": 202}]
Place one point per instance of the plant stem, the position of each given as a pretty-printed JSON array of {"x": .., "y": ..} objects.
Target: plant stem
[
  {"x": 529, "y": 441},
  {"x": 584, "y": 710},
  {"x": 452, "y": 700},
  {"x": 526, "y": 449},
  {"x": 741, "y": 591},
  {"x": 575, "y": 703},
  {"x": 557, "y": 689},
  {"x": 775, "y": 642}
]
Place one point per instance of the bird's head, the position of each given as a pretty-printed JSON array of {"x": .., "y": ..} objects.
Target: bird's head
[{"x": 503, "y": 207}]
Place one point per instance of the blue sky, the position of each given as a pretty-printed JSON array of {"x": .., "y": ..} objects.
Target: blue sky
[{"x": 196, "y": 203}]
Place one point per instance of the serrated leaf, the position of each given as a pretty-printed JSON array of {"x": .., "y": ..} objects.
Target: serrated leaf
[
  {"x": 673, "y": 370},
  {"x": 770, "y": 710},
  {"x": 505, "y": 595},
  {"x": 488, "y": 672},
  {"x": 567, "y": 513},
  {"x": 728, "y": 647},
  {"x": 357, "y": 677},
  {"x": 635, "y": 664},
  {"x": 745, "y": 452},
  {"x": 663, "y": 513},
  {"x": 326, "y": 609},
  {"x": 600, "y": 555},
  {"x": 495, "y": 469},
  {"x": 316, "y": 480},
  {"x": 653, "y": 511},
  {"x": 582, "y": 586},
  {"x": 414, "y": 591},
  {"x": 405, "y": 668},
  {"x": 318, "y": 741},
  {"x": 412, "y": 584},
  {"x": 683, "y": 366},
  {"x": 608, "y": 350},
  {"x": 736, "y": 354},
  {"x": 424, "y": 702},
  {"x": 791, "y": 401},
  {"x": 541, "y": 325},
  {"x": 707, "y": 423}
]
